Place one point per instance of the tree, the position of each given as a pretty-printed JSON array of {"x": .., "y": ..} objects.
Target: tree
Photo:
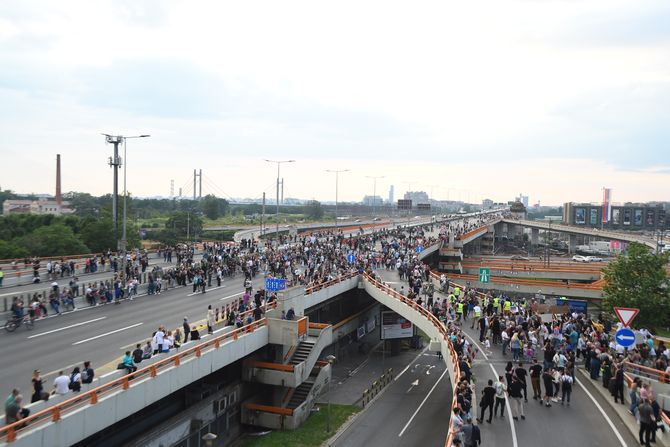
[
  {"x": 98, "y": 235},
  {"x": 52, "y": 240},
  {"x": 184, "y": 223},
  {"x": 313, "y": 210},
  {"x": 639, "y": 279},
  {"x": 210, "y": 207}
]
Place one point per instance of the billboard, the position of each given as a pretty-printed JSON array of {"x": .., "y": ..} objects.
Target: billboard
[
  {"x": 616, "y": 216},
  {"x": 395, "y": 326},
  {"x": 404, "y": 204},
  {"x": 593, "y": 220},
  {"x": 580, "y": 216},
  {"x": 626, "y": 217},
  {"x": 649, "y": 218},
  {"x": 638, "y": 218}
]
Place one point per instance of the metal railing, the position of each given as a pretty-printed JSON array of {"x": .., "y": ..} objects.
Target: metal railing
[
  {"x": 91, "y": 397},
  {"x": 443, "y": 331}
]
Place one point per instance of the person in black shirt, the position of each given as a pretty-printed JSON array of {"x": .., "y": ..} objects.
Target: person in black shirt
[
  {"x": 521, "y": 373},
  {"x": 548, "y": 380},
  {"x": 138, "y": 353},
  {"x": 535, "y": 373},
  {"x": 515, "y": 390},
  {"x": 488, "y": 398}
]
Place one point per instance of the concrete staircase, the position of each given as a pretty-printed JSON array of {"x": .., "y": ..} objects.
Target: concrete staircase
[
  {"x": 303, "y": 350},
  {"x": 300, "y": 394}
]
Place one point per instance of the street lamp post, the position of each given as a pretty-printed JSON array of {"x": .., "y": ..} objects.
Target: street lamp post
[
  {"x": 279, "y": 162},
  {"x": 330, "y": 359},
  {"x": 337, "y": 175},
  {"x": 374, "y": 191},
  {"x": 115, "y": 162}
]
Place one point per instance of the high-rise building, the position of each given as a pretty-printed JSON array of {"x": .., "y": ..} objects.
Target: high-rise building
[
  {"x": 523, "y": 199},
  {"x": 391, "y": 195},
  {"x": 417, "y": 196}
]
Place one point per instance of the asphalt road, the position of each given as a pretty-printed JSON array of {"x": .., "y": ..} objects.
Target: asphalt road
[
  {"x": 102, "y": 334},
  {"x": 589, "y": 420},
  {"x": 412, "y": 411}
]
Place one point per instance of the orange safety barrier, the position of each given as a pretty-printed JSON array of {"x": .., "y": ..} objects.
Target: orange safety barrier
[
  {"x": 443, "y": 331},
  {"x": 275, "y": 366},
  {"x": 529, "y": 282},
  {"x": 270, "y": 409},
  {"x": 53, "y": 413},
  {"x": 645, "y": 371},
  {"x": 302, "y": 326},
  {"x": 317, "y": 287},
  {"x": 474, "y": 232},
  {"x": 318, "y": 325}
]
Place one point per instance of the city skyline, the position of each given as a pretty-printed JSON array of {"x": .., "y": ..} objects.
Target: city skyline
[{"x": 483, "y": 102}]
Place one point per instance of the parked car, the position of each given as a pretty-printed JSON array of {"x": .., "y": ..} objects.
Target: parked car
[
  {"x": 580, "y": 258},
  {"x": 593, "y": 259},
  {"x": 519, "y": 258}
]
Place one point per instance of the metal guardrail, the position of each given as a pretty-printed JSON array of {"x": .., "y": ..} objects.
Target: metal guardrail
[
  {"x": 376, "y": 387},
  {"x": 443, "y": 331},
  {"x": 91, "y": 397}
]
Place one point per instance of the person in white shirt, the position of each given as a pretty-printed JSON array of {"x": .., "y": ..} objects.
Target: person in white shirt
[
  {"x": 61, "y": 384},
  {"x": 158, "y": 339}
]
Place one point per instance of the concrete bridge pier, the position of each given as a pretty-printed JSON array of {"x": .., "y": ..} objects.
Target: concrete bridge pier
[
  {"x": 572, "y": 245},
  {"x": 534, "y": 236}
]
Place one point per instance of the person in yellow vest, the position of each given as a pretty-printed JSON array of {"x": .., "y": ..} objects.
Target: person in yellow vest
[
  {"x": 2, "y": 276},
  {"x": 451, "y": 298},
  {"x": 459, "y": 311},
  {"x": 508, "y": 307},
  {"x": 457, "y": 292},
  {"x": 496, "y": 305},
  {"x": 477, "y": 311}
]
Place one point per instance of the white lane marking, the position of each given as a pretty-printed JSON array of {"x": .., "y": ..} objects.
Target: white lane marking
[
  {"x": 108, "y": 333},
  {"x": 66, "y": 327},
  {"x": 231, "y": 296},
  {"x": 609, "y": 421},
  {"x": 208, "y": 290},
  {"x": 512, "y": 427},
  {"x": 108, "y": 374},
  {"x": 410, "y": 364},
  {"x": 422, "y": 402},
  {"x": 412, "y": 385},
  {"x": 64, "y": 368}
]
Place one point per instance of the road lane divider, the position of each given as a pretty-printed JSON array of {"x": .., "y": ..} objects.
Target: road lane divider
[
  {"x": 108, "y": 333},
  {"x": 66, "y": 327}
]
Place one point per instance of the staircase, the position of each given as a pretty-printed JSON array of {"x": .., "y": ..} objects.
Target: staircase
[
  {"x": 302, "y": 352},
  {"x": 301, "y": 393}
]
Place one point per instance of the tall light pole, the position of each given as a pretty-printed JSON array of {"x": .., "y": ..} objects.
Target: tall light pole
[
  {"x": 115, "y": 162},
  {"x": 279, "y": 162},
  {"x": 337, "y": 175},
  {"x": 374, "y": 190}
]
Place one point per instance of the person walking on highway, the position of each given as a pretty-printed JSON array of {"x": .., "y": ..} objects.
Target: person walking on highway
[
  {"x": 471, "y": 435},
  {"x": 535, "y": 374},
  {"x": 488, "y": 398},
  {"x": 647, "y": 422},
  {"x": 501, "y": 390},
  {"x": 187, "y": 329},
  {"x": 211, "y": 321},
  {"x": 515, "y": 392}
]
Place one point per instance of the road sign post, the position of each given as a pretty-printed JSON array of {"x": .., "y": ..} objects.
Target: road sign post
[
  {"x": 275, "y": 284},
  {"x": 484, "y": 275},
  {"x": 351, "y": 259},
  {"x": 626, "y": 314},
  {"x": 625, "y": 337},
  {"x": 419, "y": 248}
]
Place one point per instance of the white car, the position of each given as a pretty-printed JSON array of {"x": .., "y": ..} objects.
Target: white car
[
  {"x": 593, "y": 259},
  {"x": 580, "y": 258}
]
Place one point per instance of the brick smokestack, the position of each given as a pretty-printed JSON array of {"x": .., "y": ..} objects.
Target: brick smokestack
[{"x": 59, "y": 198}]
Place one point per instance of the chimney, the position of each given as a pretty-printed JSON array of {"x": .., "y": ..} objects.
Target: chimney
[{"x": 59, "y": 198}]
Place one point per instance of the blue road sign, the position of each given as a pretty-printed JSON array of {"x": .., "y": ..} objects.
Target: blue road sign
[
  {"x": 351, "y": 258},
  {"x": 275, "y": 284},
  {"x": 625, "y": 337},
  {"x": 419, "y": 248}
]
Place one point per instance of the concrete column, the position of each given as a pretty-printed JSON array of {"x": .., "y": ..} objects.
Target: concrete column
[
  {"x": 534, "y": 236},
  {"x": 292, "y": 298},
  {"x": 572, "y": 245}
]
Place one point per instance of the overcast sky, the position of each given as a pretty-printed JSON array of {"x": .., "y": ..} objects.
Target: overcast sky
[{"x": 461, "y": 99}]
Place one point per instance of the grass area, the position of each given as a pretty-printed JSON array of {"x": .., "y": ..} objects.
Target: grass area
[
  {"x": 311, "y": 434},
  {"x": 663, "y": 332}
]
